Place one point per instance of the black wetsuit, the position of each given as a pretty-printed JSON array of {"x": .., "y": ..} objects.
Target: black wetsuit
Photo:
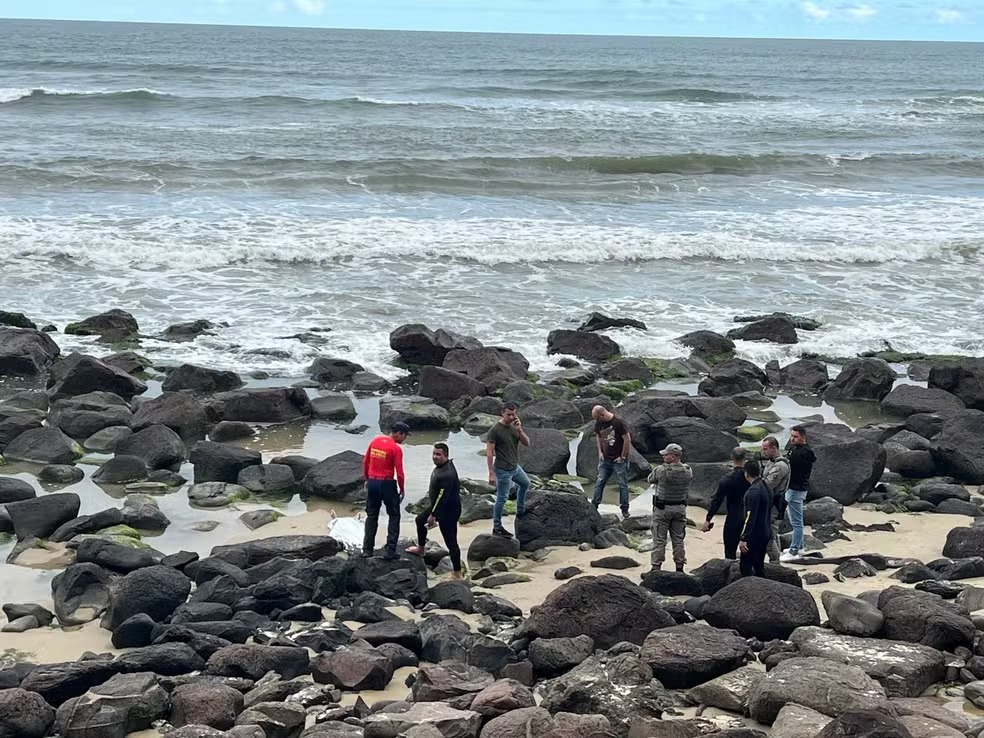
[
  {"x": 757, "y": 529},
  {"x": 445, "y": 505},
  {"x": 730, "y": 491}
]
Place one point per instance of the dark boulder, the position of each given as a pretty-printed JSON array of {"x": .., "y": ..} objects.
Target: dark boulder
[
  {"x": 166, "y": 659},
  {"x": 903, "y": 669},
  {"x": 549, "y": 452},
  {"x": 494, "y": 367},
  {"x": 85, "y": 415},
  {"x": 266, "y": 478},
  {"x": 761, "y": 608},
  {"x": 626, "y": 370},
  {"x": 420, "y": 413},
  {"x": 253, "y": 662},
  {"x": 861, "y": 379},
  {"x": 220, "y": 462},
  {"x": 550, "y": 413},
  {"x": 684, "y": 656},
  {"x": 557, "y": 519},
  {"x": 804, "y": 375},
  {"x": 60, "y": 474},
  {"x": 486, "y": 546},
  {"x": 263, "y": 405},
  {"x": 39, "y": 517},
  {"x": 300, "y": 547},
  {"x": 200, "y": 379},
  {"x": 60, "y": 682},
  {"x": 582, "y": 344},
  {"x": 957, "y": 448},
  {"x": 852, "y": 616},
  {"x": 26, "y": 353},
  {"x": 15, "y": 490},
  {"x": 338, "y": 477},
  {"x": 864, "y": 724},
  {"x": 672, "y": 583},
  {"x": 179, "y": 411},
  {"x": 159, "y": 447},
  {"x": 418, "y": 344},
  {"x": 608, "y": 608},
  {"x": 909, "y": 399},
  {"x": 187, "y": 331},
  {"x": 601, "y": 322},
  {"x": 700, "y": 441},
  {"x": 112, "y": 325},
  {"x": 964, "y": 378},
  {"x": 445, "y": 386},
  {"x": 79, "y": 374},
  {"x": 156, "y": 591},
  {"x": 355, "y": 667},
  {"x": 829, "y": 687},
  {"x": 330, "y": 372},
  {"x": 43, "y": 446},
  {"x": 231, "y": 430},
  {"x": 24, "y": 714},
  {"x": 334, "y": 406},
  {"x": 733, "y": 377},
  {"x": 13, "y": 426},
  {"x": 88, "y": 524},
  {"x": 776, "y": 328},
  {"x": 120, "y": 470},
  {"x": 919, "y": 617},
  {"x": 300, "y": 465},
  {"x": 552, "y": 656},
  {"x": 80, "y": 593},
  {"x": 848, "y": 466},
  {"x": 708, "y": 345},
  {"x": 205, "y": 703}
]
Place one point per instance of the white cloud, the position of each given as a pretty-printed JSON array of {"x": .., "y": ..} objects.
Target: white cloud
[
  {"x": 862, "y": 12},
  {"x": 949, "y": 16},
  {"x": 310, "y": 7},
  {"x": 813, "y": 11}
]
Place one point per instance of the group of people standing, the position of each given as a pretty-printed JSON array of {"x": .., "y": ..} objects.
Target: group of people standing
[
  {"x": 382, "y": 468},
  {"x": 756, "y": 494}
]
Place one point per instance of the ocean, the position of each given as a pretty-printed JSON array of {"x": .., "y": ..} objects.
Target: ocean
[{"x": 277, "y": 180}]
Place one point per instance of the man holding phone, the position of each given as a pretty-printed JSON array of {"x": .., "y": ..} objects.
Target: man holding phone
[{"x": 502, "y": 456}]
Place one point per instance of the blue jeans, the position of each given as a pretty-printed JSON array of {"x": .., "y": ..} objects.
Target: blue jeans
[
  {"x": 605, "y": 470},
  {"x": 504, "y": 479},
  {"x": 794, "y": 511}
]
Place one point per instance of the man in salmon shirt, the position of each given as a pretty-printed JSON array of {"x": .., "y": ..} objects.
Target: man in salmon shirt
[{"x": 383, "y": 460}]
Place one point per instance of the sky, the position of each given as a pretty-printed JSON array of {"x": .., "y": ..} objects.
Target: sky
[{"x": 942, "y": 20}]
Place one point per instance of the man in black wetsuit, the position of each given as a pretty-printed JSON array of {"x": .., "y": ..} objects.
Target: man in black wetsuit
[
  {"x": 443, "y": 508},
  {"x": 731, "y": 492},
  {"x": 757, "y": 530}
]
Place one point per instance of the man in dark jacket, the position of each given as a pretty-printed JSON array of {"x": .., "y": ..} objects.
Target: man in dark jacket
[
  {"x": 730, "y": 492},
  {"x": 757, "y": 529},
  {"x": 443, "y": 508},
  {"x": 801, "y": 460}
]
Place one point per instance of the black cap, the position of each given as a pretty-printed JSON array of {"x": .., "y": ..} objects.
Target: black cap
[{"x": 400, "y": 427}]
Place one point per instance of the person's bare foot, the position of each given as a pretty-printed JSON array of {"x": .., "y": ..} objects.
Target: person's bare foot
[
  {"x": 456, "y": 575},
  {"x": 415, "y": 551}
]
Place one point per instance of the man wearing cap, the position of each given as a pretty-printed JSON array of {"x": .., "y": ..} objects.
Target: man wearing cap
[
  {"x": 383, "y": 460},
  {"x": 730, "y": 493},
  {"x": 672, "y": 480}
]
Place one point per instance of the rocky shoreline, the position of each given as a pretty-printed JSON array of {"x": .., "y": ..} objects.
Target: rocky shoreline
[{"x": 266, "y": 626}]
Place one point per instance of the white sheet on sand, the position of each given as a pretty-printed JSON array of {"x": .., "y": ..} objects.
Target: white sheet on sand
[{"x": 347, "y": 531}]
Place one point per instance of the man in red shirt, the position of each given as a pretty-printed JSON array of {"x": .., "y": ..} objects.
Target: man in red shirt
[{"x": 383, "y": 460}]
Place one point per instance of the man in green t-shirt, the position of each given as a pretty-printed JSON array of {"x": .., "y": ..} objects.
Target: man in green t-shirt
[{"x": 502, "y": 455}]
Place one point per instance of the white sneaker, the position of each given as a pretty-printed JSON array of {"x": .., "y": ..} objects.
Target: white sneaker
[{"x": 787, "y": 556}]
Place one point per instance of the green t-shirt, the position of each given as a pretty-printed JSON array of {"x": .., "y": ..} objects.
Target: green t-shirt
[{"x": 506, "y": 446}]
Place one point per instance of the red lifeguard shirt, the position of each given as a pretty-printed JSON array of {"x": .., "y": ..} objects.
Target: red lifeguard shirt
[{"x": 383, "y": 459}]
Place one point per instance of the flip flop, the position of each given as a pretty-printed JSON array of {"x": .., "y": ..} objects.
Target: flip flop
[{"x": 415, "y": 551}]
